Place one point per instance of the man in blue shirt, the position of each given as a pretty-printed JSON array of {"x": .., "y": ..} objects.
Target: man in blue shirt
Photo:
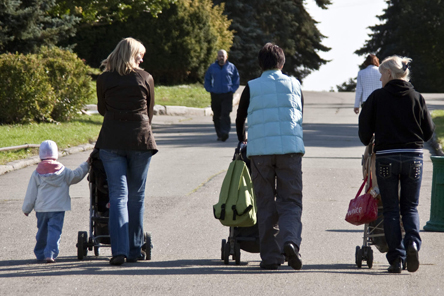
[{"x": 221, "y": 81}]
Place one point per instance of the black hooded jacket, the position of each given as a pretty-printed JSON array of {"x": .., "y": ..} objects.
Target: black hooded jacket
[{"x": 398, "y": 116}]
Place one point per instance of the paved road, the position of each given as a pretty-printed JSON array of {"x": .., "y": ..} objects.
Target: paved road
[{"x": 183, "y": 184}]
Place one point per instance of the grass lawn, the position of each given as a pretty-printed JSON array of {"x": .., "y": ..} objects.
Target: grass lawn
[
  {"x": 193, "y": 95},
  {"x": 86, "y": 128},
  {"x": 438, "y": 119},
  {"x": 82, "y": 130}
]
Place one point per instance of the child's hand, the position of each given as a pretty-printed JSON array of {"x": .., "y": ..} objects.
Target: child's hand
[{"x": 26, "y": 214}]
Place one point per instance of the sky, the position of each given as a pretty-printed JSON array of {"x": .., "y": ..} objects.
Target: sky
[{"x": 345, "y": 23}]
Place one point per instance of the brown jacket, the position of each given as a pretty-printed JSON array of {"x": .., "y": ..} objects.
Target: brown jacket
[{"x": 127, "y": 104}]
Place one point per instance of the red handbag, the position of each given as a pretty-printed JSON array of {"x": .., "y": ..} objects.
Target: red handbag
[{"x": 363, "y": 209}]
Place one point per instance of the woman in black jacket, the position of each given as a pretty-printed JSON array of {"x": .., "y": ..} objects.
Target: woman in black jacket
[
  {"x": 398, "y": 117},
  {"x": 125, "y": 94}
]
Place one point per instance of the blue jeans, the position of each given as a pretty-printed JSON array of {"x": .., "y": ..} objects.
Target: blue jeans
[
  {"x": 49, "y": 226},
  {"x": 399, "y": 178},
  {"x": 126, "y": 172}
]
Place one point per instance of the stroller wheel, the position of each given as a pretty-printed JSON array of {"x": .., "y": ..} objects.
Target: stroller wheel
[
  {"x": 358, "y": 257},
  {"x": 237, "y": 253},
  {"x": 96, "y": 251},
  {"x": 369, "y": 257},
  {"x": 222, "y": 249},
  {"x": 147, "y": 246},
  {"x": 227, "y": 253},
  {"x": 82, "y": 248}
]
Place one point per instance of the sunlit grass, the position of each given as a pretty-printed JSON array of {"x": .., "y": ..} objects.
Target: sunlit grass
[
  {"x": 193, "y": 95},
  {"x": 81, "y": 130},
  {"x": 438, "y": 119}
]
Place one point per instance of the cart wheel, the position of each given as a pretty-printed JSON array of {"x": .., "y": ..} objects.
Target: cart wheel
[
  {"x": 237, "y": 253},
  {"x": 222, "y": 249},
  {"x": 82, "y": 250},
  {"x": 369, "y": 257},
  {"x": 147, "y": 246},
  {"x": 227, "y": 253},
  {"x": 358, "y": 257}
]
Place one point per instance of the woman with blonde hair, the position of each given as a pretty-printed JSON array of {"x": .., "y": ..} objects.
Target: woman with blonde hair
[
  {"x": 125, "y": 94},
  {"x": 398, "y": 117}
]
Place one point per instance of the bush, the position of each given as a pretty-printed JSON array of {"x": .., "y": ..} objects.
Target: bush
[
  {"x": 51, "y": 85},
  {"x": 69, "y": 78},
  {"x": 26, "y": 94}
]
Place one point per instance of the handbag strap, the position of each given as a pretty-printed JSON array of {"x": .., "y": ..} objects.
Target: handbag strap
[{"x": 362, "y": 186}]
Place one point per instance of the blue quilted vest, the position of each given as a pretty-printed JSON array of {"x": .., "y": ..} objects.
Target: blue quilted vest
[{"x": 275, "y": 115}]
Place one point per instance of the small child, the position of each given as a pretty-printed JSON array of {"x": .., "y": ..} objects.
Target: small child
[{"x": 48, "y": 195}]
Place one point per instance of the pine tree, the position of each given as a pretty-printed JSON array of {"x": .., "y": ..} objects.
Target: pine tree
[
  {"x": 412, "y": 28},
  {"x": 26, "y": 25},
  {"x": 284, "y": 22}
]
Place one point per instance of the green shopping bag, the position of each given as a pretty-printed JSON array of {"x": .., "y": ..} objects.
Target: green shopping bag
[{"x": 236, "y": 206}]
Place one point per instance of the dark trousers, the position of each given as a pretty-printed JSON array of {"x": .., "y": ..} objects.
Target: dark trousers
[
  {"x": 399, "y": 178},
  {"x": 222, "y": 105},
  {"x": 277, "y": 183}
]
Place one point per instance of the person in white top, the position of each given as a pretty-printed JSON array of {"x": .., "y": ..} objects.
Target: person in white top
[
  {"x": 48, "y": 195},
  {"x": 368, "y": 80}
]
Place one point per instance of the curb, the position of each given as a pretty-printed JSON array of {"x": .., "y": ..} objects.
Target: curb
[{"x": 177, "y": 110}]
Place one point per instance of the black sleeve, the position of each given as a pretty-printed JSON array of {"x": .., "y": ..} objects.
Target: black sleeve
[
  {"x": 242, "y": 113},
  {"x": 366, "y": 121},
  {"x": 302, "y": 100}
]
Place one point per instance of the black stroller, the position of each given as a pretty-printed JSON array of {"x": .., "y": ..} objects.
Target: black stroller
[
  {"x": 245, "y": 238},
  {"x": 99, "y": 214}
]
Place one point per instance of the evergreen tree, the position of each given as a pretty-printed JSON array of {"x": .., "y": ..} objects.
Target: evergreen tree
[
  {"x": 412, "y": 28},
  {"x": 27, "y": 24},
  {"x": 284, "y": 22}
]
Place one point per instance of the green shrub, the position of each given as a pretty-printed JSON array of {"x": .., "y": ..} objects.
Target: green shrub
[
  {"x": 26, "y": 94},
  {"x": 53, "y": 84},
  {"x": 69, "y": 78}
]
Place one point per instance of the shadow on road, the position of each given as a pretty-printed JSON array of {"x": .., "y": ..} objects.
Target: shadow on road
[{"x": 100, "y": 266}]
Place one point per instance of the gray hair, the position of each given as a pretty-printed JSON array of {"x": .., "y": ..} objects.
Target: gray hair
[{"x": 398, "y": 66}]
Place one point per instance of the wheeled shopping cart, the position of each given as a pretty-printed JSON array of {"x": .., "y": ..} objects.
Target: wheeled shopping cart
[
  {"x": 373, "y": 231},
  {"x": 240, "y": 238}
]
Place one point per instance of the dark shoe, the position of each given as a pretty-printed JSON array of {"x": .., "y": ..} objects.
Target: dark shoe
[
  {"x": 412, "y": 257},
  {"x": 273, "y": 266},
  {"x": 224, "y": 137},
  {"x": 292, "y": 254},
  {"x": 395, "y": 267},
  {"x": 117, "y": 260},
  {"x": 141, "y": 257},
  {"x": 50, "y": 260}
]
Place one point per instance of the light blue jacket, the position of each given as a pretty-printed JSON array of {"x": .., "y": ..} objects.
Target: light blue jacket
[
  {"x": 275, "y": 115},
  {"x": 220, "y": 80}
]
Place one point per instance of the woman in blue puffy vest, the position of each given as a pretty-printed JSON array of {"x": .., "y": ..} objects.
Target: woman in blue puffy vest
[{"x": 273, "y": 104}]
